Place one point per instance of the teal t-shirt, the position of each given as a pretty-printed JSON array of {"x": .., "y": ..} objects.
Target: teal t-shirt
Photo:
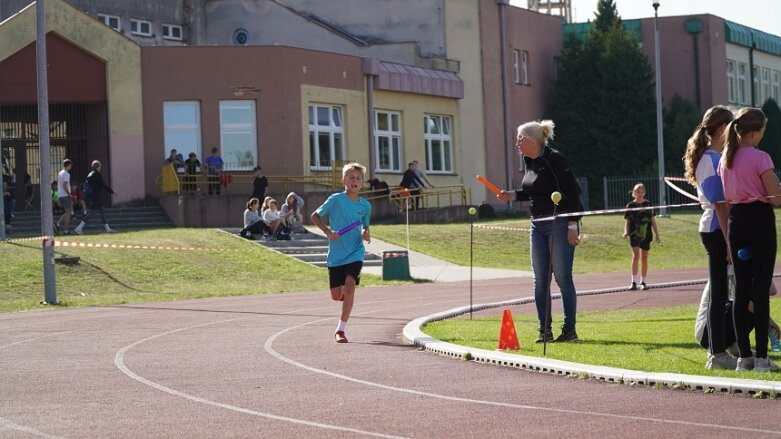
[{"x": 341, "y": 212}]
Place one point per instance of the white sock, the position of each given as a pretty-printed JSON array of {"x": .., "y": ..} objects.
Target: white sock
[
  {"x": 342, "y": 325},
  {"x": 641, "y": 279},
  {"x": 634, "y": 279}
]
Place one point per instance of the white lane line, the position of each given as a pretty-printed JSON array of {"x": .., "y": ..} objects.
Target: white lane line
[
  {"x": 34, "y": 338},
  {"x": 268, "y": 346},
  {"x": 119, "y": 361},
  {"x": 5, "y": 423}
]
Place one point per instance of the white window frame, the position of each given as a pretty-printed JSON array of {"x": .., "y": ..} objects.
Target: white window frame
[
  {"x": 517, "y": 65},
  {"x": 757, "y": 91},
  {"x": 138, "y": 23},
  {"x": 243, "y": 159},
  {"x": 332, "y": 129},
  {"x": 776, "y": 86},
  {"x": 393, "y": 140},
  {"x": 170, "y": 128},
  {"x": 107, "y": 19},
  {"x": 525, "y": 67},
  {"x": 765, "y": 85},
  {"x": 168, "y": 32},
  {"x": 445, "y": 138},
  {"x": 732, "y": 92},
  {"x": 742, "y": 83}
]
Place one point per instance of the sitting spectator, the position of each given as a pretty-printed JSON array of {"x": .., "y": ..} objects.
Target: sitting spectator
[
  {"x": 192, "y": 167},
  {"x": 176, "y": 160},
  {"x": 292, "y": 213},
  {"x": 56, "y": 207},
  {"x": 253, "y": 223},
  {"x": 264, "y": 207},
  {"x": 272, "y": 217},
  {"x": 77, "y": 195}
]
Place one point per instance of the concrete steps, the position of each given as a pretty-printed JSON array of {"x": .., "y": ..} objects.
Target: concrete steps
[
  {"x": 28, "y": 223},
  {"x": 312, "y": 249}
]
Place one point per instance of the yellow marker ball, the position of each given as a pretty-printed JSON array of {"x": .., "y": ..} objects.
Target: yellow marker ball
[
  {"x": 472, "y": 211},
  {"x": 555, "y": 197}
]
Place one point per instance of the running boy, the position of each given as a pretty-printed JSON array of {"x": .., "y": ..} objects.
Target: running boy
[
  {"x": 638, "y": 229},
  {"x": 345, "y": 252}
]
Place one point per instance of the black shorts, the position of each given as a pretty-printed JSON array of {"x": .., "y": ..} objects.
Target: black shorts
[
  {"x": 337, "y": 275},
  {"x": 644, "y": 244}
]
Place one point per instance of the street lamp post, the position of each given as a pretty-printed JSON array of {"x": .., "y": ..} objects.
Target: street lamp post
[{"x": 659, "y": 131}]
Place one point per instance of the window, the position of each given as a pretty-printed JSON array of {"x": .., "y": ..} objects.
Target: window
[
  {"x": 182, "y": 122},
  {"x": 765, "y": 85},
  {"x": 172, "y": 32},
  {"x": 238, "y": 134},
  {"x": 111, "y": 21},
  {"x": 140, "y": 27},
  {"x": 732, "y": 92},
  {"x": 525, "y": 67},
  {"x": 517, "y": 65},
  {"x": 776, "y": 85},
  {"x": 755, "y": 82},
  {"x": 439, "y": 144},
  {"x": 742, "y": 84},
  {"x": 387, "y": 137},
  {"x": 326, "y": 136}
]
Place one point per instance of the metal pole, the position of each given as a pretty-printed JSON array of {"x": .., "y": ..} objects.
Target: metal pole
[
  {"x": 47, "y": 227},
  {"x": 471, "y": 255},
  {"x": 659, "y": 130},
  {"x": 506, "y": 137},
  {"x": 2, "y": 184}
]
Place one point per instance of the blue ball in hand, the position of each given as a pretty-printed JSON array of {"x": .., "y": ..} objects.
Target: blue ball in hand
[{"x": 745, "y": 253}]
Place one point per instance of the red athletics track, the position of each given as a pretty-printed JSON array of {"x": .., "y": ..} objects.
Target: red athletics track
[{"x": 267, "y": 366}]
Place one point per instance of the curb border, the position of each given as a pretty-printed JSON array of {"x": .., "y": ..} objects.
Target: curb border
[{"x": 413, "y": 333}]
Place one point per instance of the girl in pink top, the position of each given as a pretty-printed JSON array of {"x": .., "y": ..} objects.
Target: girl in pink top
[{"x": 752, "y": 189}]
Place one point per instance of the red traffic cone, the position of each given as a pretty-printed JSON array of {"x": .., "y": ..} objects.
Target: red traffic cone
[{"x": 508, "y": 339}]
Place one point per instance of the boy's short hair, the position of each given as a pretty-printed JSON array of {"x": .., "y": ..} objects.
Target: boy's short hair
[
  {"x": 66, "y": 162},
  {"x": 353, "y": 165}
]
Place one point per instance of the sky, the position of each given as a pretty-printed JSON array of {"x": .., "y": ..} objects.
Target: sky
[{"x": 764, "y": 15}]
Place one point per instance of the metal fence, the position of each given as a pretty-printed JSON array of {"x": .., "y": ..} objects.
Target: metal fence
[{"x": 617, "y": 191}]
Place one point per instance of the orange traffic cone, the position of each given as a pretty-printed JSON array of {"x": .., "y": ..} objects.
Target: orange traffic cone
[{"x": 508, "y": 339}]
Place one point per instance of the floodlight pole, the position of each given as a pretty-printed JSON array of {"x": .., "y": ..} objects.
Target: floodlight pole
[
  {"x": 44, "y": 151},
  {"x": 659, "y": 127}
]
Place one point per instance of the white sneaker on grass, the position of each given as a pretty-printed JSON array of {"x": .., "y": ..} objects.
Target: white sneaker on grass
[
  {"x": 745, "y": 364},
  {"x": 764, "y": 365},
  {"x": 108, "y": 229},
  {"x": 725, "y": 361}
]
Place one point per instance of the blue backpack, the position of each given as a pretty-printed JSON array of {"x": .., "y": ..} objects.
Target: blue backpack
[{"x": 86, "y": 189}]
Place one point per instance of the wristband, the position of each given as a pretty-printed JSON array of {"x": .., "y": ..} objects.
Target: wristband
[{"x": 573, "y": 227}]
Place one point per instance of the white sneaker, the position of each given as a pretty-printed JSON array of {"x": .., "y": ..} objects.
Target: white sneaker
[
  {"x": 745, "y": 364},
  {"x": 79, "y": 229},
  {"x": 725, "y": 361},
  {"x": 108, "y": 229},
  {"x": 764, "y": 365}
]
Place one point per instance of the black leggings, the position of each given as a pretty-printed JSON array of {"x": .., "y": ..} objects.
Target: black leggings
[
  {"x": 257, "y": 228},
  {"x": 716, "y": 248},
  {"x": 752, "y": 228}
]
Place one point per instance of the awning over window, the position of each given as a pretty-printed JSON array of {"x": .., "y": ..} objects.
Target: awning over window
[{"x": 421, "y": 80}]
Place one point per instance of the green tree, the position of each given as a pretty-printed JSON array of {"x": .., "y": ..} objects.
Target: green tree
[
  {"x": 604, "y": 103},
  {"x": 680, "y": 118},
  {"x": 771, "y": 141}
]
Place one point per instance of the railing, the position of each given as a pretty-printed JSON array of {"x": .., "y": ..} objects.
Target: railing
[{"x": 171, "y": 182}]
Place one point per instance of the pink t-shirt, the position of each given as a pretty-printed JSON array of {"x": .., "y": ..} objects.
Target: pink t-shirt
[{"x": 742, "y": 183}]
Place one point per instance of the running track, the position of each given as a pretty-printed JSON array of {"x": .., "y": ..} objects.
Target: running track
[{"x": 267, "y": 366}]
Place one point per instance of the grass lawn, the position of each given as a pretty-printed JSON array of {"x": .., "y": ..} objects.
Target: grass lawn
[
  {"x": 602, "y": 250},
  {"x": 650, "y": 339},
  {"x": 228, "y": 266}
]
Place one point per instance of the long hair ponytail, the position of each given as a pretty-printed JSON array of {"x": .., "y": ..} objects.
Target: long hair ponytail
[
  {"x": 702, "y": 136},
  {"x": 746, "y": 121}
]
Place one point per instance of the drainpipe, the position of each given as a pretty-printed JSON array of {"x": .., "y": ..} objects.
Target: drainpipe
[
  {"x": 694, "y": 27},
  {"x": 371, "y": 68},
  {"x": 505, "y": 90},
  {"x": 751, "y": 69}
]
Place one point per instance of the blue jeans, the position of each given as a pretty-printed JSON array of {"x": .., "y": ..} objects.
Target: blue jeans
[{"x": 561, "y": 254}]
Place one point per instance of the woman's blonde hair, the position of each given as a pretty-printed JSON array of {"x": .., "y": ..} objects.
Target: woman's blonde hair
[
  {"x": 746, "y": 121},
  {"x": 95, "y": 164},
  {"x": 702, "y": 136},
  {"x": 636, "y": 187},
  {"x": 539, "y": 131}
]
